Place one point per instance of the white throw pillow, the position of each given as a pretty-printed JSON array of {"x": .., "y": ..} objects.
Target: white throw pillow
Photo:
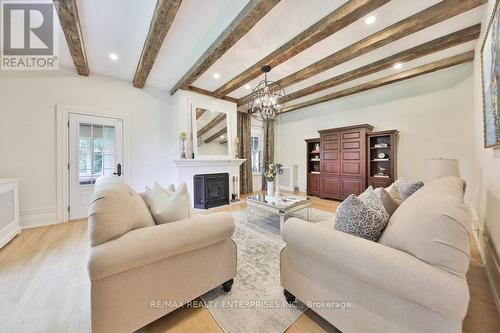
[
  {"x": 168, "y": 205},
  {"x": 388, "y": 201}
]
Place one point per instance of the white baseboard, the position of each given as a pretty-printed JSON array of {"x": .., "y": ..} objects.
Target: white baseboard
[
  {"x": 9, "y": 232},
  {"x": 489, "y": 257},
  {"x": 38, "y": 218}
]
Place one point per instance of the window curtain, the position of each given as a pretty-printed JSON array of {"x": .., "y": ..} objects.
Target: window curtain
[
  {"x": 268, "y": 148},
  {"x": 245, "y": 151}
]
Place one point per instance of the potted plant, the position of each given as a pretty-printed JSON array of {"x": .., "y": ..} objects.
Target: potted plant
[{"x": 270, "y": 173}]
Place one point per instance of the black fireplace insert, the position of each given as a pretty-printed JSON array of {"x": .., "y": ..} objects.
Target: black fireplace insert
[{"x": 211, "y": 190}]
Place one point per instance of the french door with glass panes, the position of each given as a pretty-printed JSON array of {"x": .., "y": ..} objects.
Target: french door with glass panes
[{"x": 95, "y": 149}]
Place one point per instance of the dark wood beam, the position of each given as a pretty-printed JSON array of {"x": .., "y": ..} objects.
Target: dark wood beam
[
  {"x": 214, "y": 122},
  {"x": 436, "y": 45},
  {"x": 442, "y": 11},
  {"x": 200, "y": 112},
  {"x": 216, "y": 135},
  {"x": 328, "y": 25},
  {"x": 246, "y": 19},
  {"x": 67, "y": 11},
  {"x": 223, "y": 141},
  {"x": 209, "y": 93},
  {"x": 161, "y": 21},
  {"x": 425, "y": 69}
]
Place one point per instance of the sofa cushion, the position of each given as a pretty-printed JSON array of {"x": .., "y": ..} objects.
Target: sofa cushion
[
  {"x": 388, "y": 201},
  {"x": 115, "y": 209},
  {"x": 433, "y": 225},
  {"x": 361, "y": 219},
  {"x": 406, "y": 188},
  {"x": 167, "y": 205}
]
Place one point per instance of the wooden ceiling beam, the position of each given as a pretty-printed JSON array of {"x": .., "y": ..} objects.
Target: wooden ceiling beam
[
  {"x": 200, "y": 112},
  {"x": 441, "y": 11},
  {"x": 246, "y": 19},
  {"x": 214, "y": 122},
  {"x": 67, "y": 11},
  {"x": 425, "y": 69},
  {"x": 216, "y": 135},
  {"x": 328, "y": 25},
  {"x": 436, "y": 45},
  {"x": 209, "y": 93},
  {"x": 161, "y": 21}
]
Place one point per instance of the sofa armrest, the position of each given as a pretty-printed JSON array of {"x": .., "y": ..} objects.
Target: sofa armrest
[
  {"x": 383, "y": 267},
  {"x": 146, "y": 245}
]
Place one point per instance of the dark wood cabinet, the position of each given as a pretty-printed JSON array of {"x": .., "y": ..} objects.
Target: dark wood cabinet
[
  {"x": 313, "y": 163},
  {"x": 343, "y": 161},
  {"x": 346, "y": 160}
]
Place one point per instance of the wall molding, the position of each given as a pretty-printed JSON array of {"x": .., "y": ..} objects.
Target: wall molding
[
  {"x": 489, "y": 257},
  {"x": 8, "y": 233},
  {"x": 38, "y": 218}
]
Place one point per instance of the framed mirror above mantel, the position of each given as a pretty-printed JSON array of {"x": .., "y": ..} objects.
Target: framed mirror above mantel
[
  {"x": 211, "y": 133},
  {"x": 210, "y": 125}
]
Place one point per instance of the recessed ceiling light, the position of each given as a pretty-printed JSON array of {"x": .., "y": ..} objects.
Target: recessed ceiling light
[
  {"x": 222, "y": 136},
  {"x": 370, "y": 19},
  {"x": 113, "y": 56},
  {"x": 216, "y": 75},
  {"x": 398, "y": 65},
  {"x": 247, "y": 87}
]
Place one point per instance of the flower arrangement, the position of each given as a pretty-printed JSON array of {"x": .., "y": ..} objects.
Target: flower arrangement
[{"x": 272, "y": 170}]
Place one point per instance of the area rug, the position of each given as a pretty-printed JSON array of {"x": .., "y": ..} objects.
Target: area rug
[{"x": 256, "y": 302}]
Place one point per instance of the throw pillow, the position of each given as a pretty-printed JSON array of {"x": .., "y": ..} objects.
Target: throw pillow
[
  {"x": 359, "y": 219},
  {"x": 371, "y": 198},
  {"x": 155, "y": 196},
  {"x": 167, "y": 205},
  {"x": 406, "y": 188},
  {"x": 388, "y": 201}
]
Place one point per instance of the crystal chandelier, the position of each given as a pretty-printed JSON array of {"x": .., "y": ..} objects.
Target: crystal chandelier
[{"x": 268, "y": 98}]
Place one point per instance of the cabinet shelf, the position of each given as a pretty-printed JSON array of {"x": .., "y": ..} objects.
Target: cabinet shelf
[
  {"x": 388, "y": 147},
  {"x": 380, "y": 160}
]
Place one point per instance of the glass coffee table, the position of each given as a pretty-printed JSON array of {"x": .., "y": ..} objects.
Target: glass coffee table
[{"x": 282, "y": 206}]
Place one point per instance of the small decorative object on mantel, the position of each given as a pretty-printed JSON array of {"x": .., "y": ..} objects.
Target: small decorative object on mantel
[
  {"x": 183, "y": 139},
  {"x": 270, "y": 173}
]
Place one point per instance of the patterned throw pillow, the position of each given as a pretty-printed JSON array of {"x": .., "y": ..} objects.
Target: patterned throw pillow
[
  {"x": 361, "y": 219},
  {"x": 370, "y": 197},
  {"x": 390, "y": 203},
  {"x": 406, "y": 189}
]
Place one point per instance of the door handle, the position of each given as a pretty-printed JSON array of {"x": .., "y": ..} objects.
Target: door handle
[{"x": 118, "y": 170}]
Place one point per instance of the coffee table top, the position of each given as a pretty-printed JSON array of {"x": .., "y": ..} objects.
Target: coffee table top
[{"x": 285, "y": 201}]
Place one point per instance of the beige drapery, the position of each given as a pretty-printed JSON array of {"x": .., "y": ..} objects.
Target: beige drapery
[
  {"x": 268, "y": 148},
  {"x": 245, "y": 151}
]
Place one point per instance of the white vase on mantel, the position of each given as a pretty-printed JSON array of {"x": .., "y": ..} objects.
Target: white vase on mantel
[{"x": 270, "y": 189}]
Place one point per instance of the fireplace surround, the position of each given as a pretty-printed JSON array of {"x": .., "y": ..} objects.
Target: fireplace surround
[{"x": 211, "y": 190}]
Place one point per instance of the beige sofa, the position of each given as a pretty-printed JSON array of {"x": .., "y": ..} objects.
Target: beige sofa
[
  {"x": 140, "y": 271},
  {"x": 411, "y": 280}
]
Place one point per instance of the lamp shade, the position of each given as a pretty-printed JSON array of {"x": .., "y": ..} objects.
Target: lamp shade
[{"x": 442, "y": 167}]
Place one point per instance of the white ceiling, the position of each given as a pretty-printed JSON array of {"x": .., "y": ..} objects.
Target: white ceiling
[{"x": 121, "y": 26}]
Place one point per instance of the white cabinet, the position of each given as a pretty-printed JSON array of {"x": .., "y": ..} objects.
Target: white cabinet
[{"x": 9, "y": 210}]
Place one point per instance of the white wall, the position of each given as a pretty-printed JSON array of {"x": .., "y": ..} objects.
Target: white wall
[
  {"x": 486, "y": 176},
  {"x": 28, "y": 132},
  {"x": 431, "y": 112}
]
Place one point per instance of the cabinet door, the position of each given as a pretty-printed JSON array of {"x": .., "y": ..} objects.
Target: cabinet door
[
  {"x": 314, "y": 184},
  {"x": 351, "y": 186},
  {"x": 329, "y": 187}
]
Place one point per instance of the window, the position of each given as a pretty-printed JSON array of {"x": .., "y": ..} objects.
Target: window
[
  {"x": 97, "y": 152},
  {"x": 256, "y": 147}
]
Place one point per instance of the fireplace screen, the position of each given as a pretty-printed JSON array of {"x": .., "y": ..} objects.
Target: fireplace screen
[{"x": 211, "y": 190}]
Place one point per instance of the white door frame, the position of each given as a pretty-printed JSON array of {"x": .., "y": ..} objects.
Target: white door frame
[{"x": 62, "y": 151}]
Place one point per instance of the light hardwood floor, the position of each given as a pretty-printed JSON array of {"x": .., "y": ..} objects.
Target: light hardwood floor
[{"x": 44, "y": 287}]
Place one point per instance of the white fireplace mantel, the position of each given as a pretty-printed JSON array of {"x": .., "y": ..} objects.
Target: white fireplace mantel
[
  {"x": 187, "y": 168},
  {"x": 199, "y": 162}
]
